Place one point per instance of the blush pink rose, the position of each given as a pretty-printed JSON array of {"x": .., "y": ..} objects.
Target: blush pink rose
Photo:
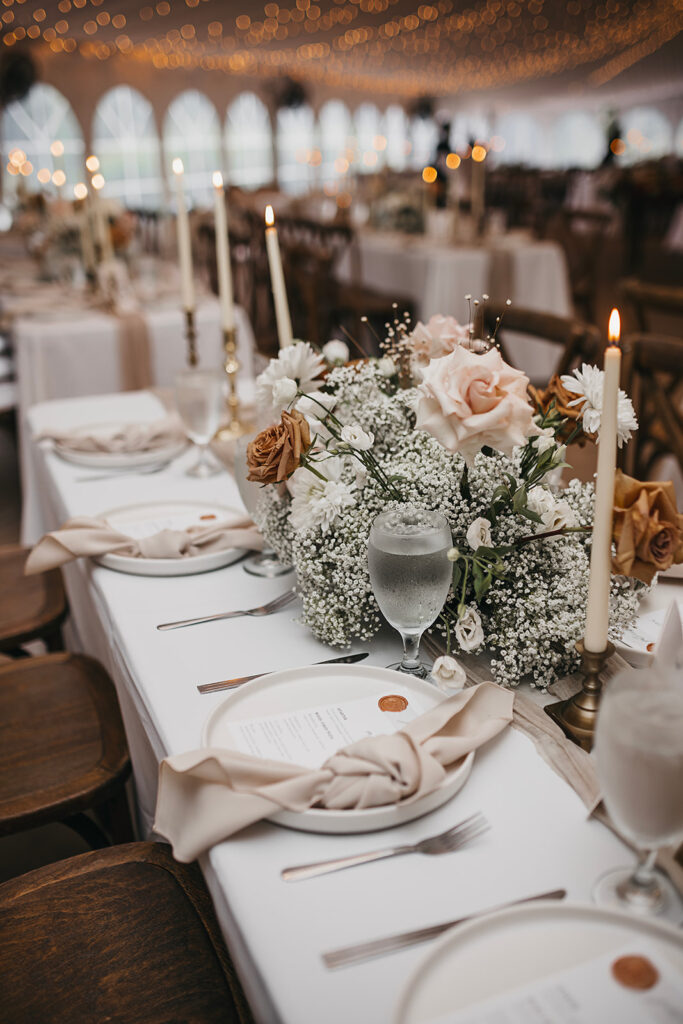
[
  {"x": 439, "y": 336},
  {"x": 467, "y": 401}
]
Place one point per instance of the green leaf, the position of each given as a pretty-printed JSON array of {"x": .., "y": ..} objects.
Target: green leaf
[
  {"x": 528, "y": 514},
  {"x": 457, "y": 575},
  {"x": 519, "y": 499}
]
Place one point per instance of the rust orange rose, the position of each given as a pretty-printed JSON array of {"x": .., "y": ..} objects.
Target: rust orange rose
[
  {"x": 543, "y": 397},
  {"x": 276, "y": 452},
  {"x": 647, "y": 527}
]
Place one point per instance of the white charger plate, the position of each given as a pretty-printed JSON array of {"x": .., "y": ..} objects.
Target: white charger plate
[
  {"x": 512, "y": 948},
  {"x": 117, "y": 460},
  {"x": 300, "y": 688},
  {"x": 144, "y": 520}
]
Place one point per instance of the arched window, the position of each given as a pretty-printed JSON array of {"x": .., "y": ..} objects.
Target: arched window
[
  {"x": 647, "y": 134},
  {"x": 126, "y": 141},
  {"x": 424, "y": 135},
  {"x": 579, "y": 140},
  {"x": 523, "y": 139},
  {"x": 192, "y": 132},
  {"x": 33, "y": 125},
  {"x": 335, "y": 130},
  {"x": 371, "y": 143},
  {"x": 678, "y": 144},
  {"x": 249, "y": 142},
  {"x": 395, "y": 131},
  {"x": 468, "y": 126},
  {"x": 295, "y": 145}
]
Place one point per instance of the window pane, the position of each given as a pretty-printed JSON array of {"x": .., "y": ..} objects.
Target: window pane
[
  {"x": 32, "y": 125},
  {"x": 125, "y": 140},
  {"x": 523, "y": 138},
  {"x": 579, "y": 140},
  {"x": 248, "y": 140},
  {"x": 335, "y": 130},
  {"x": 192, "y": 132},
  {"x": 368, "y": 133},
  {"x": 295, "y": 142},
  {"x": 395, "y": 130},
  {"x": 647, "y": 134},
  {"x": 424, "y": 136}
]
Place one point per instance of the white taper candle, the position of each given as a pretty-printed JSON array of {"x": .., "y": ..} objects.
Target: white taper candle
[
  {"x": 184, "y": 243},
  {"x": 223, "y": 255},
  {"x": 597, "y": 612},
  {"x": 277, "y": 280}
]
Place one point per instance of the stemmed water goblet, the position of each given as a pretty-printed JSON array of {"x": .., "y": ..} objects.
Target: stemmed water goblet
[
  {"x": 199, "y": 401},
  {"x": 266, "y": 562},
  {"x": 410, "y": 574},
  {"x": 639, "y": 758}
]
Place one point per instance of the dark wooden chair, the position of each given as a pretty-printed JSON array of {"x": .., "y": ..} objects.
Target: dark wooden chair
[
  {"x": 649, "y": 304},
  {"x": 583, "y": 235},
  {"x": 654, "y": 381},
  {"x": 125, "y": 935},
  {"x": 31, "y": 607},
  {"x": 62, "y": 748},
  {"x": 576, "y": 341}
]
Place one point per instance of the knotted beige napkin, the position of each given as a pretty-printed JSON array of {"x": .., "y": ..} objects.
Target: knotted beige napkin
[
  {"x": 126, "y": 438},
  {"x": 83, "y": 537},
  {"x": 207, "y": 795}
]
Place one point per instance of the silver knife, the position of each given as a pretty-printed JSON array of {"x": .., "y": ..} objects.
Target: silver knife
[{"x": 227, "y": 684}]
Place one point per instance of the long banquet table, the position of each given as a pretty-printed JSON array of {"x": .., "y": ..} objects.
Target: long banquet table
[{"x": 540, "y": 837}]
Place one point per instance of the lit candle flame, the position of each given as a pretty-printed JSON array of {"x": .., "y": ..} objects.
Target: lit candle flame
[
  {"x": 178, "y": 166},
  {"x": 217, "y": 179},
  {"x": 614, "y": 328},
  {"x": 270, "y": 216}
]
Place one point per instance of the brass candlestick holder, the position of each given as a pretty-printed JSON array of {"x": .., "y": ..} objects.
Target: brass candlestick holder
[
  {"x": 578, "y": 715},
  {"x": 191, "y": 337},
  {"x": 235, "y": 427}
]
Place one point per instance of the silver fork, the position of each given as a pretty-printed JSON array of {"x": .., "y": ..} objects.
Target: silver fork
[
  {"x": 462, "y": 833},
  {"x": 263, "y": 609},
  {"x": 115, "y": 474}
]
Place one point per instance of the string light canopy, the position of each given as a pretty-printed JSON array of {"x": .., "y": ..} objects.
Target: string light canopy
[{"x": 400, "y": 47}]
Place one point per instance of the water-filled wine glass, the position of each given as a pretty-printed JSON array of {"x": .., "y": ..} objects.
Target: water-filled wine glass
[
  {"x": 199, "y": 400},
  {"x": 639, "y": 758},
  {"x": 266, "y": 563},
  {"x": 410, "y": 574}
]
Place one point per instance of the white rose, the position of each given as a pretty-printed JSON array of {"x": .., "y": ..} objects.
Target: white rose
[
  {"x": 448, "y": 674},
  {"x": 542, "y": 502},
  {"x": 336, "y": 352},
  {"x": 479, "y": 534},
  {"x": 468, "y": 630},
  {"x": 357, "y": 438},
  {"x": 284, "y": 391},
  {"x": 387, "y": 366}
]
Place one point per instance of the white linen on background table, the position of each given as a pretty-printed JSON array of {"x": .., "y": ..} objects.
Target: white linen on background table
[{"x": 540, "y": 839}]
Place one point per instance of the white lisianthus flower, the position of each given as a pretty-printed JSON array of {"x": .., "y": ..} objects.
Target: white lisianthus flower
[
  {"x": 448, "y": 674},
  {"x": 544, "y": 440},
  {"x": 284, "y": 391},
  {"x": 468, "y": 630},
  {"x": 361, "y": 475},
  {"x": 313, "y": 407},
  {"x": 587, "y": 383},
  {"x": 479, "y": 534},
  {"x": 564, "y": 515},
  {"x": 317, "y": 502},
  {"x": 336, "y": 352},
  {"x": 541, "y": 501},
  {"x": 299, "y": 363},
  {"x": 387, "y": 366},
  {"x": 357, "y": 438}
]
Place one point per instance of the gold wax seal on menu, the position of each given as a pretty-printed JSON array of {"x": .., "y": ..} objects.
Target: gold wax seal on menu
[
  {"x": 635, "y": 972},
  {"x": 392, "y": 702}
]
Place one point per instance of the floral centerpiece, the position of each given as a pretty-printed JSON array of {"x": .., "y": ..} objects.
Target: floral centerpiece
[{"x": 443, "y": 423}]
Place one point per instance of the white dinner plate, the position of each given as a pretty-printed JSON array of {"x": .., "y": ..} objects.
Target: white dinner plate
[
  {"x": 145, "y": 520},
  {"x": 302, "y": 688},
  {"x": 117, "y": 460},
  {"x": 513, "y": 948}
]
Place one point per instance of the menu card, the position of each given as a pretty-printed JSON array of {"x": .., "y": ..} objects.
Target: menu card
[
  {"x": 630, "y": 985},
  {"x": 646, "y": 631},
  {"x": 308, "y": 736}
]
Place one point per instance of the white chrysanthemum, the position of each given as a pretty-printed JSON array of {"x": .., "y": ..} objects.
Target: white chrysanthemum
[
  {"x": 283, "y": 393},
  {"x": 298, "y": 362},
  {"x": 317, "y": 502},
  {"x": 587, "y": 383}
]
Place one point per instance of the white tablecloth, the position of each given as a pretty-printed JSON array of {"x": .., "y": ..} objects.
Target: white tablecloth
[
  {"x": 539, "y": 840},
  {"x": 77, "y": 353}
]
